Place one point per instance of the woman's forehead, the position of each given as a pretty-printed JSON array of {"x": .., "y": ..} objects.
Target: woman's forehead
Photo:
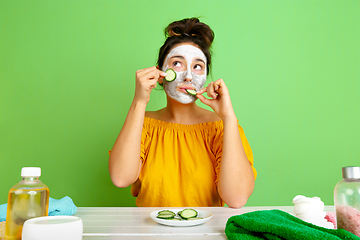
[{"x": 188, "y": 51}]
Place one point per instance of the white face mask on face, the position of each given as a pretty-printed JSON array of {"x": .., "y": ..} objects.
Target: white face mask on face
[{"x": 189, "y": 52}]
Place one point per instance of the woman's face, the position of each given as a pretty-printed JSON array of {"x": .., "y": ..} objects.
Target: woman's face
[{"x": 189, "y": 63}]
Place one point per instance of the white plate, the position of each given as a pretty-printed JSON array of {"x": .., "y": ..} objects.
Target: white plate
[{"x": 183, "y": 223}]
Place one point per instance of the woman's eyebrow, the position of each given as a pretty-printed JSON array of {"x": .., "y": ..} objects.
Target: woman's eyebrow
[
  {"x": 199, "y": 60},
  {"x": 177, "y": 56}
]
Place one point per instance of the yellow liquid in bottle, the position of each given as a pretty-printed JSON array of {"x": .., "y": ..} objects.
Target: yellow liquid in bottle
[{"x": 24, "y": 204}]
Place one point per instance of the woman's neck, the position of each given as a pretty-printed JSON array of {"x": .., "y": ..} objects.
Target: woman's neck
[
  {"x": 181, "y": 113},
  {"x": 189, "y": 114}
]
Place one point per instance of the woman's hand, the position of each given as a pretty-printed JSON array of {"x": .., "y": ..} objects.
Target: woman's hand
[
  {"x": 146, "y": 80},
  {"x": 220, "y": 100}
]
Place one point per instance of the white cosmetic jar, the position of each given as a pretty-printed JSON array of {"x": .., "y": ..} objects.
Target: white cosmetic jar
[{"x": 53, "y": 227}]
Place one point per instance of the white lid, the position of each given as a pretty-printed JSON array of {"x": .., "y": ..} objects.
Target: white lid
[
  {"x": 53, "y": 227},
  {"x": 31, "y": 172}
]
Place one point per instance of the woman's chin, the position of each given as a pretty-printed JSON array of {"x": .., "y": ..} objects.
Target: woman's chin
[{"x": 184, "y": 98}]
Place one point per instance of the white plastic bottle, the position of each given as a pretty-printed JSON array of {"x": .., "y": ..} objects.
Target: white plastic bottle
[
  {"x": 27, "y": 199},
  {"x": 347, "y": 200}
]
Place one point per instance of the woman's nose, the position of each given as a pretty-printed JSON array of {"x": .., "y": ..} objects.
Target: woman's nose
[{"x": 188, "y": 76}]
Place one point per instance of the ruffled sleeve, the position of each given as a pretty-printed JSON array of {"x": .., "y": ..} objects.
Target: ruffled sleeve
[
  {"x": 217, "y": 144},
  {"x": 247, "y": 149},
  {"x": 145, "y": 139}
]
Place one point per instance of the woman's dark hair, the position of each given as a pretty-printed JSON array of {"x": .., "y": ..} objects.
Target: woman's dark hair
[{"x": 187, "y": 30}]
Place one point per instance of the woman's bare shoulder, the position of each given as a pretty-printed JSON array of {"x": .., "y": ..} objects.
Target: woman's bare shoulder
[
  {"x": 209, "y": 116},
  {"x": 154, "y": 114}
]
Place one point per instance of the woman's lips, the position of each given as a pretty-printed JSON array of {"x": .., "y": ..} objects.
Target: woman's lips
[{"x": 182, "y": 88}]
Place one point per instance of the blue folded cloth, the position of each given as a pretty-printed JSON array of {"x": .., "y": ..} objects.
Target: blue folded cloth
[
  {"x": 3, "y": 208},
  {"x": 62, "y": 207},
  {"x": 57, "y": 207}
]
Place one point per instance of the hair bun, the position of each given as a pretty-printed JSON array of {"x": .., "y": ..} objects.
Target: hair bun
[{"x": 191, "y": 27}]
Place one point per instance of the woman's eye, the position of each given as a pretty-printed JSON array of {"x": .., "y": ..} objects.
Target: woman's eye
[
  {"x": 177, "y": 64},
  {"x": 197, "y": 67}
]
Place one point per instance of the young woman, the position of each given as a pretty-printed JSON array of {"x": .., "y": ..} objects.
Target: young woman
[{"x": 183, "y": 155}]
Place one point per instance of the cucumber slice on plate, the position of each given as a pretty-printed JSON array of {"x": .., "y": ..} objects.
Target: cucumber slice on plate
[
  {"x": 195, "y": 218},
  {"x": 171, "y": 75},
  {"x": 191, "y": 91},
  {"x": 188, "y": 213},
  {"x": 165, "y": 216},
  {"x": 166, "y": 212}
]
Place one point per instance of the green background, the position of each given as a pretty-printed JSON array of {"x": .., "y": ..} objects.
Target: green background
[{"x": 67, "y": 80}]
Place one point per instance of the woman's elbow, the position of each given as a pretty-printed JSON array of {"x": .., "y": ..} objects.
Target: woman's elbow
[
  {"x": 237, "y": 203},
  {"x": 120, "y": 178},
  {"x": 120, "y": 182},
  {"x": 239, "y": 199}
]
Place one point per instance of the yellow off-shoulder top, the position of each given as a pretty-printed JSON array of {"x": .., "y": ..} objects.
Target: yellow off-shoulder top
[{"x": 181, "y": 163}]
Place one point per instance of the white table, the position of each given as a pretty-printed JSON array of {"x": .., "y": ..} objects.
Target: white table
[{"x": 113, "y": 223}]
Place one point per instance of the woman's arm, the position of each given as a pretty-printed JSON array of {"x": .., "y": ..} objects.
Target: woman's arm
[
  {"x": 124, "y": 161},
  {"x": 236, "y": 178}
]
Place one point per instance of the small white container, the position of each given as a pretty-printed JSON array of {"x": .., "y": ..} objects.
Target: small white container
[{"x": 53, "y": 227}]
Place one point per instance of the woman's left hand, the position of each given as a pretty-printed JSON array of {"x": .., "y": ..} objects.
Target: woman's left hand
[{"x": 220, "y": 100}]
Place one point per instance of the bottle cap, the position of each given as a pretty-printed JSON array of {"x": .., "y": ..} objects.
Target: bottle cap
[
  {"x": 351, "y": 172},
  {"x": 31, "y": 172}
]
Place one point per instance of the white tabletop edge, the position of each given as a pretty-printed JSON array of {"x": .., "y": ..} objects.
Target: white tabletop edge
[{"x": 149, "y": 234}]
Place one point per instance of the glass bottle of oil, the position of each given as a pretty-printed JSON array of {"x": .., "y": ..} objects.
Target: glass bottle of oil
[{"x": 27, "y": 199}]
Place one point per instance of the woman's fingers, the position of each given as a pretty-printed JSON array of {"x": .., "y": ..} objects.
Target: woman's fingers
[
  {"x": 221, "y": 86},
  {"x": 204, "y": 100},
  {"x": 153, "y": 74},
  {"x": 152, "y": 82},
  {"x": 211, "y": 90},
  {"x": 201, "y": 91},
  {"x": 162, "y": 74},
  {"x": 217, "y": 86},
  {"x": 142, "y": 72},
  {"x": 150, "y": 73},
  {"x": 146, "y": 80}
]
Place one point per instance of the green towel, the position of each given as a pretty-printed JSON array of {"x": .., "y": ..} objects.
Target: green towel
[{"x": 277, "y": 224}]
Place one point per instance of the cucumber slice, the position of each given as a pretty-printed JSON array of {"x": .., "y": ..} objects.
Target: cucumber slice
[
  {"x": 166, "y": 212},
  {"x": 195, "y": 218},
  {"x": 171, "y": 75},
  {"x": 166, "y": 216},
  {"x": 191, "y": 92},
  {"x": 188, "y": 213}
]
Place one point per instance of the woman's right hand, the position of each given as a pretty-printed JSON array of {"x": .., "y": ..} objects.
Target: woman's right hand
[{"x": 146, "y": 80}]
